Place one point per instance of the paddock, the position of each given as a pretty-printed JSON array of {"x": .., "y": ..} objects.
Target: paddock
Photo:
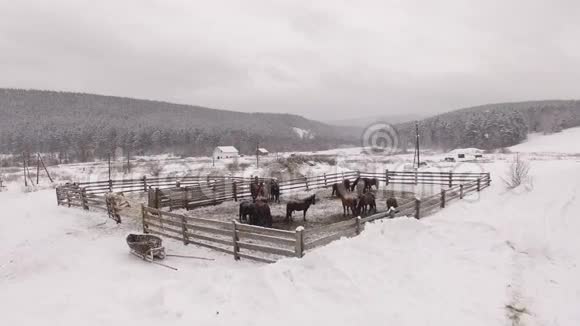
[{"x": 204, "y": 211}]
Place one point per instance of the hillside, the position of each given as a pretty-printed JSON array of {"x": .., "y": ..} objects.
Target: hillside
[
  {"x": 85, "y": 126},
  {"x": 493, "y": 125}
]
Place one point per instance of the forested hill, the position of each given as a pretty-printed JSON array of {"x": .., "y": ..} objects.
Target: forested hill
[
  {"x": 85, "y": 126},
  {"x": 493, "y": 125}
]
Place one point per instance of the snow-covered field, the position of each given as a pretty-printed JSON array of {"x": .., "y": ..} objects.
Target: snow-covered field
[
  {"x": 473, "y": 263},
  {"x": 565, "y": 142}
]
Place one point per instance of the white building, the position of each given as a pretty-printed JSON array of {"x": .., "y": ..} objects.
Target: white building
[
  {"x": 262, "y": 151},
  {"x": 222, "y": 152}
]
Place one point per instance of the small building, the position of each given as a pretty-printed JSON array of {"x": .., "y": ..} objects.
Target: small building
[
  {"x": 222, "y": 152},
  {"x": 263, "y": 152}
]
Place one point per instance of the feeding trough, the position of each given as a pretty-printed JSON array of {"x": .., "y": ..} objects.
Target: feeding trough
[{"x": 146, "y": 246}]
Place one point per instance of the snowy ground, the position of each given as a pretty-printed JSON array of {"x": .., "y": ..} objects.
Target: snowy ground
[{"x": 465, "y": 265}]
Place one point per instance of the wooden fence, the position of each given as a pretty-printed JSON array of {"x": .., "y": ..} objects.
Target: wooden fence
[
  {"x": 268, "y": 245},
  {"x": 240, "y": 240}
]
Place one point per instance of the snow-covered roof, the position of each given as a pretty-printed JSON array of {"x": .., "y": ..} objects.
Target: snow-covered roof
[
  {"x": 262, "y": 150},
  {"x": 227, "y": 149}
]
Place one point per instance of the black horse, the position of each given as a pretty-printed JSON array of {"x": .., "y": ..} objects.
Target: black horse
[
  {"x": 275, "y": 191},
  {"x": 392, "y": 206},
  {"x": 247, "y": 211},
  {"x": 367, "y": 203},
  {"x": 354, "y": 183},
  {"x": 369, "y": 183},
  {"x": 299, "y": 205},
  {"x": 263, "y": 215}
]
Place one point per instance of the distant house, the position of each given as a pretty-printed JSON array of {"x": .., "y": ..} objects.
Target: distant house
[
  {"x": 262, "y": 151},
  {"x": 222, "y": 152}
]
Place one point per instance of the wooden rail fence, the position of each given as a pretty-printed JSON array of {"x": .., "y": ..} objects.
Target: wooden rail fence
[{"x": 268, "y": 245}]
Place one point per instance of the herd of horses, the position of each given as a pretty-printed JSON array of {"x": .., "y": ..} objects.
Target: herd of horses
[{"x": 357, "y": 198}]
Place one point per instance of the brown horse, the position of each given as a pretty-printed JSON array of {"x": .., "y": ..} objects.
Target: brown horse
[
  {"x": 349, "y": 201},
  {"x": 337, "y": 186},
  {"x": 274, "y": 191},
  {"x": 299, "y": 205},
  {"x": 256, "y": 189}
]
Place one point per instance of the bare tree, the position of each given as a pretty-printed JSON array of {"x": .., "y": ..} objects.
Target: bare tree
[{"x": 518, "y": 173}]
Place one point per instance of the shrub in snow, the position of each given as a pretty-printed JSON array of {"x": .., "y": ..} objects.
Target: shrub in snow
[{"x": 518, "y": 174}]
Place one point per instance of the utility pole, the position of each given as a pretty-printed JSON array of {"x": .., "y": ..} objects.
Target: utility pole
[
  {"x": 24, "y": 169},
  {"x": 258, "y": 154},
  {"x": 37, "y": 167},
  {"x": 109, "y": 166},
  {"x": 128, "y": 162},
  {"x": 417, "y": 156}
]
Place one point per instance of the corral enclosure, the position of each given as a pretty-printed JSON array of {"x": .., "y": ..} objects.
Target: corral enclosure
[{"x": 203, "y": 211}]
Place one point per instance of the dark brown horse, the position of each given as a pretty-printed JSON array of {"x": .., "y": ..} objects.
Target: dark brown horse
[
  {"x": 367, "y": 203},
  {"x": 299, "y": 205},
  {"x": 263, "y": 215},
  {"x": 256, "y": 189}
]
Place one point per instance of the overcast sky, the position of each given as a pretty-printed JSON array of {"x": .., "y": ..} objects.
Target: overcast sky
[{"x": 326, "y": 59}]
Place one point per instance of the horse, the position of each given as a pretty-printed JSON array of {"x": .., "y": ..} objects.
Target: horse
[
  {"x": 299, "y": 205},
  {"x": 345, "y": 184},
  {"x": 392, "y": 206},
  {"x": 263, "y": 215},
  {"x": 275, "y": 191},
  {"x": 353, "y": 185},
  {"x": 349, "y": 201},
  {"x": 247, "y": 211},
  {"x": 392, "y": 202},
  {"x": 369, "y": 183},
  {"x": 367, "y": 203},
  {"x": 256, "y": 189}
]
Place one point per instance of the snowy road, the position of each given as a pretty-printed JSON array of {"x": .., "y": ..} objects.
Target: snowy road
[{"x": 462, "y": 266}]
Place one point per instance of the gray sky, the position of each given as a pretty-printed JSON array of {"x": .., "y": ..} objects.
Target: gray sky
[{"x": 325, "y": 59}]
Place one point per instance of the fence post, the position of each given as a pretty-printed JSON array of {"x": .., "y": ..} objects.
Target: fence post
[
  {"x": 177, "y": 184},
  {"x": 144, "y": 183},
  {"x": 325, "y": 184},
  {"x": 460, "y": 191},
  {"x": 143, "y": 219},
  {"x": 299, "y": 249},
  {"x": 488, "y": 179},
  {"x": 235, "y": 190},
  {"x": 185, "y": 190},
  {"x": 68, "y": 197},
  {"x": 386, "y": 177},
  {"x": 157, "y": 191},
  {"x": 450, "y": 179},
  {"x": 184, "y": 231},
  {"x": 478, "y": 184},
  {"x": 442, "y": 198},
  {"x": 235, "y": 240},
  {"x": 358, "y": 225},
  {"x": 417, "y": 208},
  {"x": 84, "y": 199},
  {"x": 306, "y": 181},
  {"x": 57, "y": 196},
  {"x": 110, "y": 185}
]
